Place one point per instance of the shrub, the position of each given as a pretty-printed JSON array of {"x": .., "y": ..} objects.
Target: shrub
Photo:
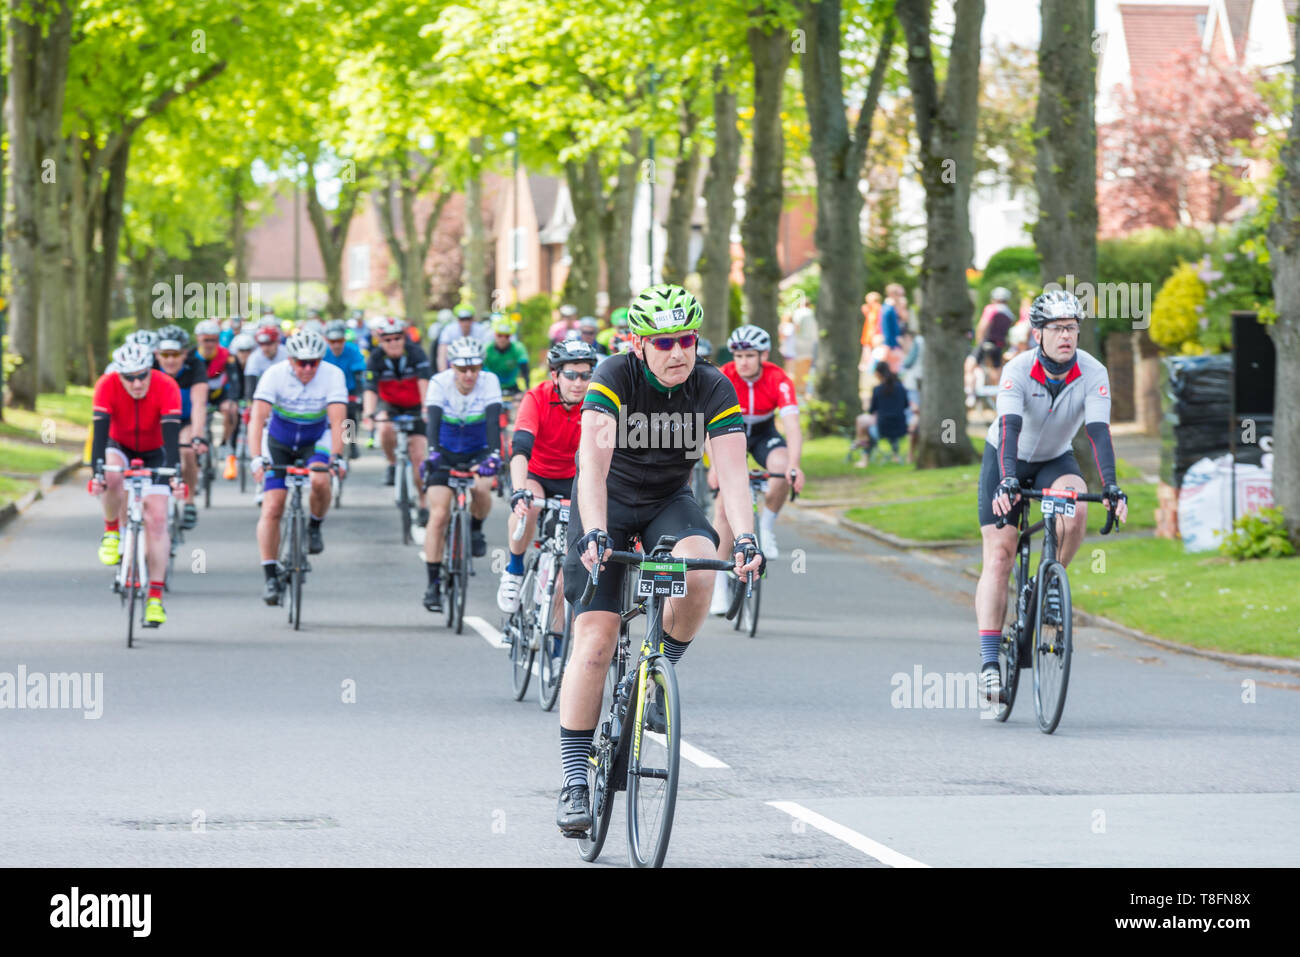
[
  {"x": 535, "y": 318},
  {"x": 1177, "y": 310},
  {"x": 1258, "y": 535},
  {"x": 1013, "y": 259}
]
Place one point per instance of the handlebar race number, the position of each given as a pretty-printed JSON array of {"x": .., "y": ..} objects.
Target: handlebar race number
[
  {"x": 1058, "y": 505},
  {"x": 662, "y": 578}
]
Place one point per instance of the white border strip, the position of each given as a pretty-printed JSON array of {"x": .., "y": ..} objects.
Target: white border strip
[
  {"x": 490, "y": 634},
  {"x": 849, "y": 836},
  {"x": 691, "y": 753}
]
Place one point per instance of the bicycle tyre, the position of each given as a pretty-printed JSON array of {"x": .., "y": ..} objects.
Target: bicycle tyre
[
  {"x": 298, "y": 553},
  {"x": 404, "y": 504},
  {"x": 601, "y": 793},
  {"x": 548, "y": 688},
  {"x": 1052, "y": 657},
  {"x": 750, "y": 610},
  {"x": 243, "y": 469},
  {"x": 521, "y": 638},
  {"x": 338, "y": 489},
  {"x": 129, "y": 562},
  {"x": 206, "y": 478},
  {"x": 650, "y": 822},
  {"x": 462, "y": 573}
]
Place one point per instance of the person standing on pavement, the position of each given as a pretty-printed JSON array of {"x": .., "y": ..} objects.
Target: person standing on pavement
[{"x": 805, "y": 349}]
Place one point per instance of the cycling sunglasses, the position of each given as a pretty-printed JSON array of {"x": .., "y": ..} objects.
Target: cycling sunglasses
[
  {"x": 395, "y": 338},
  {"x": 170, "y": 355},
  {"x": 135, "y": 376},
  {"x": 573, "y": 375},
  {"x": 464, "y": 368},
  {"x": 307, "y": 363},
  {"x": 665, "y": 343}
]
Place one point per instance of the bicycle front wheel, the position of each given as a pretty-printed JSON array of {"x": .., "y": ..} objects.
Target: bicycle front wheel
[
  {"x": 462, "y": 571},
  {"x": 299, "y": 557},
  {"x": 555, "y": 652},
  {"x": 404, "y": 502},
  {"x": 653, "y": 770},
  {"x": 750, "y": 609},
  {"x": 130, "y": 565},
  {"x": 1053, "y": 640},
  {"x": 521, "y": 639}
]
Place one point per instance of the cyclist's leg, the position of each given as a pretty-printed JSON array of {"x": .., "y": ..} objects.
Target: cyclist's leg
[
  {"x": 388, "y": 435},
  {"x": 114, "y": 498},
  {"x": 1063, "y": 472},
  {"x": 480, "y": 499},
  {"x": 321, "y": 496},
  {"x": 189, "y": 463},
  {"x": 438, "y": 498},
  {"x": 273, "y": 501},
  {"x": 157, "y": 500},
  {"x": 417, "y": 448}
]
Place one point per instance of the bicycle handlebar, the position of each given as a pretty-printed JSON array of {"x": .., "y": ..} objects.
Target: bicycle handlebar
[
  {"x": 1071, "y": 495},
  {"x": 636, "y": 558},
  {"x": 552, "y": 504}
]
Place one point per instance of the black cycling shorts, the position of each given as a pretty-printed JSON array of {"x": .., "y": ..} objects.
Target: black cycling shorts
[
  {"x": 281, "y": 455},
  {"x": 553, "y": 488},
  {"x": 678, "y": 515},
  {"x": 1036, "y": 475},
  {"x": 460, "y": 461},
  {"x": 763, "y": 438},
  {"x": 395, "y": 410}
]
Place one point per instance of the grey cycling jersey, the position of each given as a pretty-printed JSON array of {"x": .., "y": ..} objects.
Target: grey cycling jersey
[{"x": 1047, "y": 423}]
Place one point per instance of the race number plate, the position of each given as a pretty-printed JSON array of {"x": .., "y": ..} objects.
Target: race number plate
[
  {"x": 1060, "y": 506},
  {"x": 667, "y": 579},
  {"x": 564, "y": 513}
]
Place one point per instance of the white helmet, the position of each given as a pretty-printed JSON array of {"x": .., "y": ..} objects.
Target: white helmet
[
  {"x": 1000, "y": 294},
  {"x": 208, "y": 327},
  {"x": 243, "y": 342},
  {"x": 146, "y": 337},
  {"x": 314, "y": 325},
  {"x": 446, "y": 315},
  {"x": 132, "y": 357},
  {"x": 749, "y": 337},
  {"x": 390, "y": 326},
  {"x": 306, "y": 344},
  {"x": 465, "y": 352}
]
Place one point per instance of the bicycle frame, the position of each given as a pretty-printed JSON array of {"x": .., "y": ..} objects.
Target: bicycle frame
[{"x": 132, "y": 576}]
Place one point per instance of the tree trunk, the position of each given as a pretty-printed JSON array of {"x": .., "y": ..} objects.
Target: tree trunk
[
  {"x": 616, "y": 224},
  {"x": 480, "y": 286},
  {"x": 946, "y": 132},
  {"x": 140, "y": 266},
  {"x": 82, "y": 211},
  {"x": 1065, "y": 171},
  {"x": 238, "y": 229},
  {"x": 584, "y": 239},
  {"x": 58, "y": 266},
  {"x": 714, "y": 264},
  {"x": 681, "y": 203},
  {"x": 837, "y": 157},
  {"x": 1284, "y": 250},
  {"x": 110, "y": 224},
  {"x": 331, "y": 238},
  {"x": 762, "y": 223}
]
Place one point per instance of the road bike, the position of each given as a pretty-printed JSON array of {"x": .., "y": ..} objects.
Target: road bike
[
  {"x": 625, "y": 753},
  {"x": 748, "y": 617},
  {"x": 207, "y": 473},
  {"x": 406, "y": 493},
  {"x": 540, "y": 628},
  {"x": 293, "y": 564},
  {"x": 242, "y": 457},
  {"x": 458, "y": 560},
  {"x": 1040, "y": 630},
  {"x": 131, "y": 581}
]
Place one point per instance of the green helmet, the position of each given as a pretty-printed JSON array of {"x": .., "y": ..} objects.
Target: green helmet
[
  {"x": 502, "y": 325},
  {"x": 618, "y": 318},
  {"x": 664, "y": 308}
]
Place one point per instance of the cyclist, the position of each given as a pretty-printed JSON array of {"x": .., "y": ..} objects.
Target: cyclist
[
  {"x": 397, "y": 377},
  {"x": 463, "y": 327},
  {"x": 543, "y": 452},
  {"x": 617, "y": 328},
  {"x": 441, "y": 321},
  {"x": 224, "y": 384},
  {"x": 505, "y": 358},
  {"x": 633, "y": 480},
  {"x": 566, "y": 323},
  {"x": 192, "y": 377},
  {"x": 242, "y": 346},
  {"x": 296, "y": 401},
  {"x": 137, "y": 415},
  {"x": 270, "y": 350},
  {"x": 588, "y": 326},
  {"x": 229, "y": 329},
  {"x": 347, "y": 357},
  {"x": 463, "y": 406},
  {"x": 765, "y": 392},
  {"x": 1044, "y": 396}
]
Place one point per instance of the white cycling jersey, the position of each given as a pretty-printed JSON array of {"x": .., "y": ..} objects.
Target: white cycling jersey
[
  {"x": 1048, "y": 424},
  {"x": 299, "y": 412}
]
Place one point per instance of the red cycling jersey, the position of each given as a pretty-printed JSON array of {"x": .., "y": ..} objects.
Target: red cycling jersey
[
  {"x": 771, "y": 394},
  {"x": 136, "y": 424},
  {"x": 555, "y": 431},
  {"x": 216, "y": 371}
]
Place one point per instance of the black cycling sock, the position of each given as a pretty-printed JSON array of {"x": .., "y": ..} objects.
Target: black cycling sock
[
  {"x": 673, "y": 649},
  {"x": 268, "y": 568},
  {"x": 435, "y": 571},
  {"x": 574, "y": 748},
  {"x": 313, "y": 522},
  {"x": 475, "y": 524}
]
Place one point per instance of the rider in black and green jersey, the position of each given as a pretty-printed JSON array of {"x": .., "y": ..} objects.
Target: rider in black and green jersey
[{"x": 506, "y": 358}]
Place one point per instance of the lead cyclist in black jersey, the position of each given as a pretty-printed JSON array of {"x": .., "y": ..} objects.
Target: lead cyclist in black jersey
[
  {"x": 1043, "y": 397},
  {"x": 644, "y": 422}
]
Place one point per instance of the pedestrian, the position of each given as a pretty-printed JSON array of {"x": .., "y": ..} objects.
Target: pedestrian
[
  {"x": 910, "y": 375},
  {"x": 871, "y": 309},
  {"x": 805, "y": 349},
  {"x": 785, "y": 332},
  {"x": 893, "y": 317},
  {"x": 886, "y": 417}
]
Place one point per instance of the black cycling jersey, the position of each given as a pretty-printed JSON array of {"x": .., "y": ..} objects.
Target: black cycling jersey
[{"x": 661, "y": 431}]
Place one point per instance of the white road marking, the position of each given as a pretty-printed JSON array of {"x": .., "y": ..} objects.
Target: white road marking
[
  {"x": 689, "y": 751},
  {"x": 849, "y": 836}
]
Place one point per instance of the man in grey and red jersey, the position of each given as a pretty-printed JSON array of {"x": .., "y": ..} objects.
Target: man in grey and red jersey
[{"x": 1044, "y": 396}]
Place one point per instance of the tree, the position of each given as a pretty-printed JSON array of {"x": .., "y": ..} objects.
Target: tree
[
  {"x": 838, "y": 156},
  {"x": 681, "y": 204},
  {"x": 330, "y": 236},
  {"x": 1284, "y": 252},
  {"x": 945, "y": 126},
  {"x": 720, "y": 209},
  {"x": 1191, "y": 115}
]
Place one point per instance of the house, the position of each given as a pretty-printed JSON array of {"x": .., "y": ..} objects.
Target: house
[{"x": 272, "y": 262}]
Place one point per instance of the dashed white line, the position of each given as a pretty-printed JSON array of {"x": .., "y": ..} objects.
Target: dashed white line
[
  {"x": 849, "y": 836},
  {"x": 691, "y": 753}
]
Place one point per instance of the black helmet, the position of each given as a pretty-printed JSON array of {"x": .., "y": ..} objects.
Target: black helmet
[{"x": 570, "y": 350}]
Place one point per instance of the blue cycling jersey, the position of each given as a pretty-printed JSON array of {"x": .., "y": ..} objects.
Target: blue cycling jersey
[{"x": 351, "y": 361}]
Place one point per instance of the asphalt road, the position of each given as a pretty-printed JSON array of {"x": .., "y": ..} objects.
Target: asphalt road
[{"x": 228, "y": 739}]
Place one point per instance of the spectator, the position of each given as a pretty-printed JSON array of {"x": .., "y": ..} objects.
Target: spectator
[
  {"x": 785, "y": 331},
  {"x": 885, "y": 418},
  {"x": 893, "y": 317},
  {"x": 805, "y": 349},
  {"x": 910, "y": 376},
  {"x": 870, "y": 334}
]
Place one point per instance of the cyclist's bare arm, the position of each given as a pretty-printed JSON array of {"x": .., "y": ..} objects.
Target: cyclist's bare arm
[
  {"x": 257, "y": 417},
  {"x": 727, "y": 453},
  {"x": 338, "y": 413},
  {"x": 198, "y": 409},
  {"x": 794, "y": 441},
  {"x": 595, "y": 451}
]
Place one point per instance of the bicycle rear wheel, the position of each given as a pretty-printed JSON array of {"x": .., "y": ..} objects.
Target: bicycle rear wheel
[
  {"x": 749, "y": 611},
  {"x": 130, "y": 564},
  {"x": 653, "y": 770},
  {"x": 404, "y": 502},
  {"x": 1052, "y": 645},
  {"x": 462, "y": 572},
  {"x": 338, "y": 489},
  {"x": 555, "y": 653},
  {"x": 601, "y": 790},
  {"x": 299, "y": 556},
  {"x": 243, "y": 467},
  {"x": 521, "y": 638}
]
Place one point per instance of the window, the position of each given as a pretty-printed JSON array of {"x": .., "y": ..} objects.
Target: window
[
  {"x": 519, "y": 254},
  {"x": 358, "y": 266}
]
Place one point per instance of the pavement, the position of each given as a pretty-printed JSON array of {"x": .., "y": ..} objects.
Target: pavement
[{"x": 839, "y": 737}]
